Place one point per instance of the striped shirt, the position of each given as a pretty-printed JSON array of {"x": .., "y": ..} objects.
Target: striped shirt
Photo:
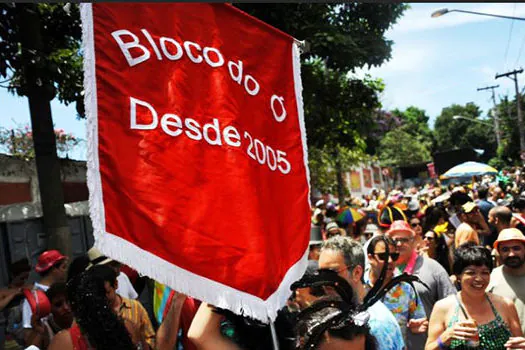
[{"x": 134, "y": 312}]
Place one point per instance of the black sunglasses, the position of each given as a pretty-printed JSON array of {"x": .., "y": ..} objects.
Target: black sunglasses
[
  {"x": 414, "y": 224},
  {"x": 384, "y": 256}
]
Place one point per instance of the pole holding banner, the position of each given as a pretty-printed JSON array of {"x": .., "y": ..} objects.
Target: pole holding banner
[
  {"x": 197, "y": 158},
  {"x": 274, "y": 336}
]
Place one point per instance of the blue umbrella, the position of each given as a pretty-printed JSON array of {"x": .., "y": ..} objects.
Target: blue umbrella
[{"x": 470, "y": 169}]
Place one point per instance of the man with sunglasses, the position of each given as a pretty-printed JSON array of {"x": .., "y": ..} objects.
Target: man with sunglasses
[
  {"x": 428, "y": 270},
  {"x": 346, "y": 257},
  {"x": 401, "y": 300}
]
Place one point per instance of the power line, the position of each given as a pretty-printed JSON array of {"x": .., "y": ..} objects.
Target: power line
[
  {"x": 519, "y": 53},
  {"x": 514, "y": 76},
  {"x": 510, "y": 36}
]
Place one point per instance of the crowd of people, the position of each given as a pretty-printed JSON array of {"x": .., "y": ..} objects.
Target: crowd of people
[{"x": 423, "y": 268}]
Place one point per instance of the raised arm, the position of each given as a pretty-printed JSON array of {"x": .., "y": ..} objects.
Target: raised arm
[
  {"x": 6, "y": 295},
  {"x": 169, "y": 328},
  {"x": 205, "y": 331}
]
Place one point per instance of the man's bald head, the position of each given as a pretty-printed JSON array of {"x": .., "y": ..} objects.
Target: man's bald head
[{"x": 500, "y": 216}]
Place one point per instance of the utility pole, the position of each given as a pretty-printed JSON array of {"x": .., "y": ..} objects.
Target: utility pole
[
  {"x": 514, "y": 76},
  {"x": 495, "y": 112}
]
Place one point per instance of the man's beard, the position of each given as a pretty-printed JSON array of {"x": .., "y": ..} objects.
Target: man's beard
[{"x": 514, "y": 262}]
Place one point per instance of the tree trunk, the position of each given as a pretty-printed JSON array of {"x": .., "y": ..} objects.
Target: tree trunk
[
  {"x": 47, "y": 163},
  {"x": 340, "y": 183}
]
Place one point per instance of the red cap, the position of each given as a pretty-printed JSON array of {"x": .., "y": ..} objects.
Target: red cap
[
  {"x": 47, "y": 259},
  {"x": 400, "y": 226}
]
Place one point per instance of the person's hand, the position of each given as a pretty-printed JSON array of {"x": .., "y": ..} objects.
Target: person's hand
[
  {"x": 515, "y": 343},
  {"x": 464, "y": 330},
  {"x": 179, "y": 298},
  {"x": 37, "y": 325},
  {"x": 419, "y": 325}
]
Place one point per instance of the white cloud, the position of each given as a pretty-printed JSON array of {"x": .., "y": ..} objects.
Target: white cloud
[
  {"x": 418, "y": 19},
  {"x": 406, "y": 59}
]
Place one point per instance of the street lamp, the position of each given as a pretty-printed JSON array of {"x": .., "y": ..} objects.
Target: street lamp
[
  {"x": 441, "y": 12},
  {"x": 456, "y": 117}
]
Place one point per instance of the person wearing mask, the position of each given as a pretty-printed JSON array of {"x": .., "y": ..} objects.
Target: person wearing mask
[
  {"x": 472, "y": 317},
  {"x": 428, "y": 270}
]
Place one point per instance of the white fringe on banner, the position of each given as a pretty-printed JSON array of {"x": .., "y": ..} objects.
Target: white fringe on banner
[
  {"x": 148, "y": 264},
  {"x": 296, "y": 59}
]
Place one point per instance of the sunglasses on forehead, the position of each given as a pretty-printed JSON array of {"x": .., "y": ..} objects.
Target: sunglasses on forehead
[{"x": 384, "y": 256}]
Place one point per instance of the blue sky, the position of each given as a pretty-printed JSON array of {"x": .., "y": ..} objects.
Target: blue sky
[{"x": 435, "y": 62}]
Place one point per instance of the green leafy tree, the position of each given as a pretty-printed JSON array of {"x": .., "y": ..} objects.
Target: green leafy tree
[
  {"x": 451, "y": 133},
  {"x": 350, "y": 35},
  {"x": 323, "y": 166},
  {"x": 416, "y": 121},
  {"x": 381, "y": 123},
  {"x": 338, "y": 111},
  {"x": 509, "y": 152},
  {"x": 40, "y": 59},
  {"x": 400, "y": 147},
  {"x": 342, "y": 37}
]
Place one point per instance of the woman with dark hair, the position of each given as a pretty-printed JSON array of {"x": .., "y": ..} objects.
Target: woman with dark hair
[
  {"x": 77, "y": 266},
  {"x": 96, "y": 326},
  {"x": 333, "y": 320},
  {"x": 473, "y": 318},
  {"x": 435, "y": 241},
  {"x": 332, "y": 324}
]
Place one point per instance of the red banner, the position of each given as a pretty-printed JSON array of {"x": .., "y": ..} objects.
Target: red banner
[
  {"x": 432, "y": 170},
  {"x": 197, "y": 154},
  {"x": 367, "y": 178}
]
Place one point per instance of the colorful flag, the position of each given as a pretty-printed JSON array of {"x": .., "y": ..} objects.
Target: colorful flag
[
  {"x": 197, "y": 159},
  {"x": 162, "y": 296}
]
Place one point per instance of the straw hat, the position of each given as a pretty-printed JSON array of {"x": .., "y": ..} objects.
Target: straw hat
[
  {"x": 509, "y": 234},
  {"x": 97, "y": 258}
]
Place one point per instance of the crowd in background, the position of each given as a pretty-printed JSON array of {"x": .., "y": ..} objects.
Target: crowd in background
[{"x": 434, "y": 267}]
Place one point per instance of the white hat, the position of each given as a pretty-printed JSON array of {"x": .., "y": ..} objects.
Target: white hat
[
  {"x": 319, "y": 203},
  {"x": 97, "y": 258}
]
